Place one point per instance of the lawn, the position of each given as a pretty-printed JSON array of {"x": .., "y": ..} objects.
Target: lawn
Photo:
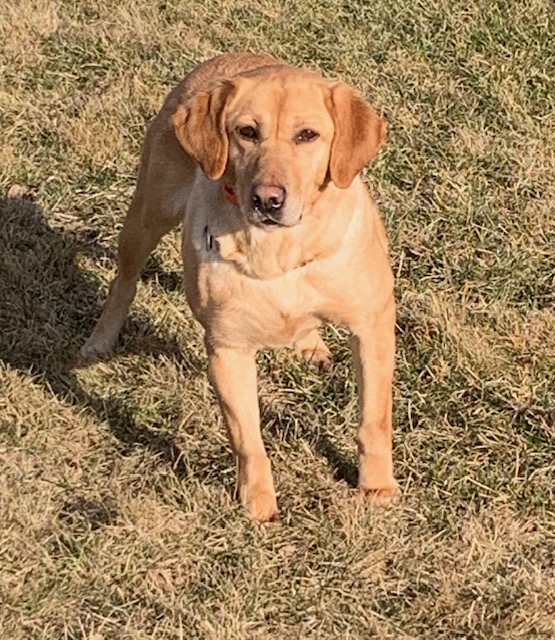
[{"x": 117, "y": 511}]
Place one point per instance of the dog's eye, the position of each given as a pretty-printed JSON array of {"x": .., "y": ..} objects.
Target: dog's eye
[
  {"x": 306, "y": 135},
  {"x": 248, "y": 132}
]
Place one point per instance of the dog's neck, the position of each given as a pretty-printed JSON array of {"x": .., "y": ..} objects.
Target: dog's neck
[{"x": 265, "y": 254}]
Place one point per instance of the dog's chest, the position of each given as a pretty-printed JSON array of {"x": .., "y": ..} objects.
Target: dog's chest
[{"x": 240, "y": 311}]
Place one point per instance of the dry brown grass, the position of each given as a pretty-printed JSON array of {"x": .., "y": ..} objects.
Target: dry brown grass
[{"x": 116, "y": 482}]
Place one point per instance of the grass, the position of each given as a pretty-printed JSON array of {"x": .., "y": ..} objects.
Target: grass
[{"x": 116, "y": 482}]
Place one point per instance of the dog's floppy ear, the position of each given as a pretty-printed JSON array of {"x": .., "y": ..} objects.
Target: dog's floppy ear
[
  {"x": 359, "y": 132},
  {"x": 199, "y": 124}
]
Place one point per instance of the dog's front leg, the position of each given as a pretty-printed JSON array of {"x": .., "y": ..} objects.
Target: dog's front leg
[
  {"x": 233, "y": 374},
  {"x": 373, "y": 346}
]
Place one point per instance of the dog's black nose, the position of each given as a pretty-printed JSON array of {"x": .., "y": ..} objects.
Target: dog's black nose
[{"x": 268, "y": 198}]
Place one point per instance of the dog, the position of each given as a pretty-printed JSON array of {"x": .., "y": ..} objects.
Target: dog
[{"x": 260, "y": 161}]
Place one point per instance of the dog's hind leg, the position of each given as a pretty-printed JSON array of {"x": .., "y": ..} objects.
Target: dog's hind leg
[{"x": 141, "y": 233}]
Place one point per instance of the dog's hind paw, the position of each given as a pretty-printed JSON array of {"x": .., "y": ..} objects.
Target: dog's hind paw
[
  {"x": 320, "y": 359},
  {"x": 95, "y": 349},
  {"x": 314, "y": 350}
]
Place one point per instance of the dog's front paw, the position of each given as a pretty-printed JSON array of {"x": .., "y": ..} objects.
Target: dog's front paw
[
  {"x": 262, "y": 507},
  {"x": 382, "y": 496}
]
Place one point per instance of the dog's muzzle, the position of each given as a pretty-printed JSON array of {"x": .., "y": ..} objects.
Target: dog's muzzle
[{"x": 267, "y": 203}]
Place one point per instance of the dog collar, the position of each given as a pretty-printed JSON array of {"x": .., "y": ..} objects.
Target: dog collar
[
  {"x": 229, "y": 194},
  {"x": 209, "y": 241}
]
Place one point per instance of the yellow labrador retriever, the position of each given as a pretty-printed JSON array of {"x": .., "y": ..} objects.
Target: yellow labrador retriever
[{"x": 260, "y": 162}]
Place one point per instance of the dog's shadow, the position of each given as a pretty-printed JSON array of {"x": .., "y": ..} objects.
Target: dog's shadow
[
  {"x": 278, "y": 419},
  {"x": 48, "y": 307}
]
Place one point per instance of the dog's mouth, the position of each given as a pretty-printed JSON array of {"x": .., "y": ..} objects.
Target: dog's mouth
[{"x": 268, "y": 223}]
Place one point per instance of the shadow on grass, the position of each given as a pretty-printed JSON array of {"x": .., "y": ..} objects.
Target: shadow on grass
[
  {"x": 342, "y": 465},
  {"x": 48, "y": 307},
  {"x": 279, "y": 424}
]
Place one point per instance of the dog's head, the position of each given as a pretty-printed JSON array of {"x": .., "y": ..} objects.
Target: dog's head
[{"x": 278, "y": 135}]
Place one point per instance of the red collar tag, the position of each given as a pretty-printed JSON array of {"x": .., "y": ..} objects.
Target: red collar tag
[{"x": 230, "y": 195}]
